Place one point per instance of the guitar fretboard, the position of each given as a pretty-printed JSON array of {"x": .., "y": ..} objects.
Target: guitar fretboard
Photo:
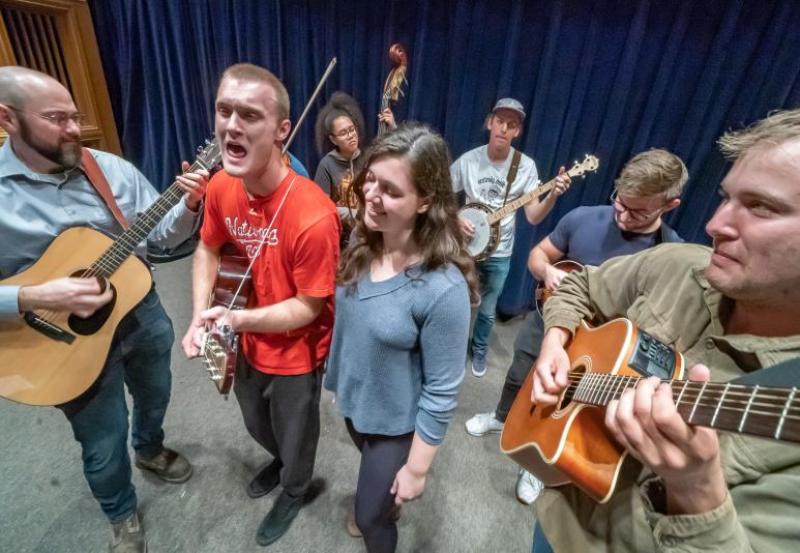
[
  {"x": 756, "y": 410},
  {"x": 121, "y": 249}
]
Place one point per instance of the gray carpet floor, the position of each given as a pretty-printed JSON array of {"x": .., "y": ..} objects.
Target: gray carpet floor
[{"x": 46, "y": 506}]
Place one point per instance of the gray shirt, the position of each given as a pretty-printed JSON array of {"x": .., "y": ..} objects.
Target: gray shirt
[
  {"x": 398, "y": 352},
  {"x": 38, "y": 207}
]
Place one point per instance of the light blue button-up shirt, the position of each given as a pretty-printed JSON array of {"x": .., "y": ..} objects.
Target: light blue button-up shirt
[{"x": 36, "y": 207}]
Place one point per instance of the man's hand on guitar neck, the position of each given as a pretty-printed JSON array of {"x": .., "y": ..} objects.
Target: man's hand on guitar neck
[
  {"x": 79, "y": 296},
  {"x": 553, "y": 277},
  {"x": 194, "y": 184},
  {"x": 646, "y": 422},
  {"x": 192, "y": 341}
]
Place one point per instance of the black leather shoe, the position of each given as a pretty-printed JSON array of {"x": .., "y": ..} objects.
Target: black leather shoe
[
  {"x": 279, "y": 519},
  {"x": 266, "y": 480}
]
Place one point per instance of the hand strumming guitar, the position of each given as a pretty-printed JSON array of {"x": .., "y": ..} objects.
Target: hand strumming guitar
[{"x": 79, "y": 296}]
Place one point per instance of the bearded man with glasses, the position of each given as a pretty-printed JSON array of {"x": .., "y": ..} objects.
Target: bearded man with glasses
[{"x": 45, "y": 189}]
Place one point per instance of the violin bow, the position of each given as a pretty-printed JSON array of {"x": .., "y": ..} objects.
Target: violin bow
[{"x": 322, "y": 80}]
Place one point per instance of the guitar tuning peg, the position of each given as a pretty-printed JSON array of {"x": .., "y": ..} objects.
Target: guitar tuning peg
[{"x": 207, "y": 142}]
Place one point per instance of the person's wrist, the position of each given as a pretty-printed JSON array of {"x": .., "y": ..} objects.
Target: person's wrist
[{"x": 694, "y": 495}]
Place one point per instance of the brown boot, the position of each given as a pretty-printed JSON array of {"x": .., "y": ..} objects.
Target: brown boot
[
  {"x": 128, "y": 536},
  {"x": 169, "y": 465}
]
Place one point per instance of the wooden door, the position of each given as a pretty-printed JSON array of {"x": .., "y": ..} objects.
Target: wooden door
[{"x": 57, "y": 37}]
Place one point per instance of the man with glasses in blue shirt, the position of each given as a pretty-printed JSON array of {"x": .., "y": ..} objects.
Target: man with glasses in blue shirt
[
  {"x": 649, "y": 185},
  {"x": 44, "y": 190}
]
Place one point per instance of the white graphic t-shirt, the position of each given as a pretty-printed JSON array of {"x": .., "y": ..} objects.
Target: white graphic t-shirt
[{"x": 484, "y": 181}]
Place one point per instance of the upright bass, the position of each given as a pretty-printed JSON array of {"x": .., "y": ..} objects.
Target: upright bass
[{"x": 393, "y": 87}]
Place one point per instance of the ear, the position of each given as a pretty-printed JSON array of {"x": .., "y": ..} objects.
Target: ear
[
  {"x": 7, "y": 122},
  {"x": 673, "y": 203},
  {"x": 283, "y": 129},
  {"x": 424, "y": 205},
  {"x": 488, "y": 121}
]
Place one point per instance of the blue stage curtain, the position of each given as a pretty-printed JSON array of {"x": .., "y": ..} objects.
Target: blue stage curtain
[{"x": 609, "y": 77}]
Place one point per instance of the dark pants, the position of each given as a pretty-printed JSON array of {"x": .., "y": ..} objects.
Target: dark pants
[
  {"x": 282, "y": 414},
  {"x": 139, "y": 357},
  {"x": 381, "y": 458},
  {"x": 526, "y": 349}
]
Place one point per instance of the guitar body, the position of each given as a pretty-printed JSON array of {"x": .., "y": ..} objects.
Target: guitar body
[
  {"x": 221, "y": 350},
  {"x": 569, "y": 443},
  {"x": 487, "y": 236},
  {"x": 41, "y": 370},
  {"x": 542, "y": 294}
]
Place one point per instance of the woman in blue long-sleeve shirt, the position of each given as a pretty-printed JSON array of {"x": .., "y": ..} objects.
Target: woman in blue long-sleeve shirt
[{"x": 402, "y": 322}]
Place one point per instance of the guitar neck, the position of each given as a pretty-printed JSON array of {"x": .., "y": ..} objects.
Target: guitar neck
[
  {"x": 513, "y": 205},
  {"x": 123, "y": 246},
  {"x": 763, "y": 411}
]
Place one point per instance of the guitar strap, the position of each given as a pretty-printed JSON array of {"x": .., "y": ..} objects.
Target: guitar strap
[
  {"x": 98, "y": 180},
  {"x": 782, "y": 375},
  {"x": 512, "y": 172}
]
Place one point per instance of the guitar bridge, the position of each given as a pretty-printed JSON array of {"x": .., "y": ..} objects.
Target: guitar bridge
[{"x": 47, "y": 328}]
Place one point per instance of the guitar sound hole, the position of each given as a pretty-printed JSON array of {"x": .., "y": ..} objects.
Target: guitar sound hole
[
  {"x": 569, "y": 393},
  {"x": 96, "y": 320}
]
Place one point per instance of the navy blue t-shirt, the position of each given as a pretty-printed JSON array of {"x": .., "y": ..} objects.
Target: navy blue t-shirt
[{"x": 589, "y": 235}]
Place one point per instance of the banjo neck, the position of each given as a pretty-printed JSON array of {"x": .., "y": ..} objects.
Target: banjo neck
[{"x": 513, "y": 205}]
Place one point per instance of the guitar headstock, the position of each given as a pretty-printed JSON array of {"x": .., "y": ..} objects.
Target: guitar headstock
[
  {"x": 589, "y": 164},
  {"x": 219, "y": 352},
  {"x": 208, "y": 155}
]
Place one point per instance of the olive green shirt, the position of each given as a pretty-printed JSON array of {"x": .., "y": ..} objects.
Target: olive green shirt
[{"x": 664, "y": 291}]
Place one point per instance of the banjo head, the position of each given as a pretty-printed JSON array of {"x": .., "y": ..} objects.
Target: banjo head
[{"x": 478, "y": 214}]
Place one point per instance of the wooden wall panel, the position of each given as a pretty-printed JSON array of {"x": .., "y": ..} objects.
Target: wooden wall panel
[{"x": 57, "y": 37}]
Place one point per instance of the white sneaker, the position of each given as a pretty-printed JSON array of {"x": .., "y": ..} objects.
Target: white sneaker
[
  {"x": 528, "y": 487},
  {"x": 482, "y": 424}
]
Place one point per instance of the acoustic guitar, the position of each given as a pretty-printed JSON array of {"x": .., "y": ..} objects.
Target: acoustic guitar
[
  {"x": 568, "y": 443},
  {"x": 49, "y": 358},
  {"x": 231, "y": 289},
  {"x": 487, "y": 221}
]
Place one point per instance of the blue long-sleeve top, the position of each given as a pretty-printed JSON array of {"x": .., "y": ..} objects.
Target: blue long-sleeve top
[{"x": 399, "y": 350}]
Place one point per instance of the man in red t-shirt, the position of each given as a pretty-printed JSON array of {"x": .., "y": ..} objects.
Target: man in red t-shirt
[{"x": 291, "y": 229}]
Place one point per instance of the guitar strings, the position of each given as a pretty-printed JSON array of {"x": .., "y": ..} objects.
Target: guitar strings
[
  {"x": 114, "y": 256},
  {"x": 690, "y": 398}
]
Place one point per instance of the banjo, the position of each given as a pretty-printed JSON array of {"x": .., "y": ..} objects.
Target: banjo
[{"x": 487, "y": 221}]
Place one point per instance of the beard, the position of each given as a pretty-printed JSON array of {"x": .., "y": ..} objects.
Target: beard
[{"x": 65, "y": 154}]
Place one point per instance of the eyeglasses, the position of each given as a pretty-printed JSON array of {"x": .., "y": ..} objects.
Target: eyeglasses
[
  {"x": 59, "y": 118},
  {"x": 345, "y": 133},
  {"x": 635, "y": 214}
]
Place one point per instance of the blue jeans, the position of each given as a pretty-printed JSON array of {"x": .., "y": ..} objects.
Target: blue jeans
[
  {"x": 492, "y": 273},
  {"x": 139, "y": 357}
]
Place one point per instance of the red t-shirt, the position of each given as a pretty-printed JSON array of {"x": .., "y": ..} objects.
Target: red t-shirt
[{"x": 298, "y": 257}]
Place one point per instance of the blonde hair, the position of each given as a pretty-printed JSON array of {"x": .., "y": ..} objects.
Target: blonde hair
[
  {"x": 651, "y": 173},
  {"x": 250, "y": 72},
  {"x": 778, "y": 128}
]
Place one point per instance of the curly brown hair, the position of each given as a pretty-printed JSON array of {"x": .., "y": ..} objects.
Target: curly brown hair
[
  {"x": 340, "y": 105},
  {"x": 436, "y": 230}
]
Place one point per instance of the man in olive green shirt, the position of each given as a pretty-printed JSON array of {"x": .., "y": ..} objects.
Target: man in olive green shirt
[{"x": 730, "y": 310}]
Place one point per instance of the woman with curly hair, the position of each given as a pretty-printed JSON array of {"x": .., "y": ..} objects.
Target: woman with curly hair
[
  {"x": 397, "y": 359},
  {"x": 339, "y": 134}
]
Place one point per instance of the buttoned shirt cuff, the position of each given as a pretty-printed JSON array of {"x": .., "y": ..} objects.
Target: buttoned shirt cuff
[
  {"x": 9, "y": 302},
  {"x": 716, "y": 530}
]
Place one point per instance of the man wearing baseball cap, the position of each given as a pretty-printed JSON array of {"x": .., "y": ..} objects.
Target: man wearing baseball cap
[{"x": 495, "y": 174}]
